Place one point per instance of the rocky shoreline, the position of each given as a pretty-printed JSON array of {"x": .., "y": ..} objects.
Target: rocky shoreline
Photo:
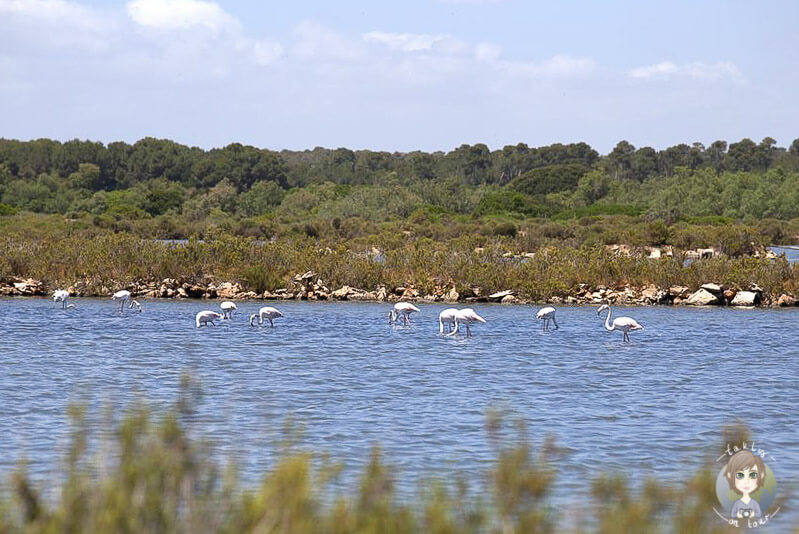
[{"x": 308, "y": 286}]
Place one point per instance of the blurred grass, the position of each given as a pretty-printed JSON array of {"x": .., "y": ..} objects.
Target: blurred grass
[{"x": 153, "y": 475}]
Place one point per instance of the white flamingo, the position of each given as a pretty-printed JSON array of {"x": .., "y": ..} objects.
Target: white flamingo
[
  {"x": 122, "y": 296},
  {"x": 447, "y": 316},
  {"x": 207, "y": 316},
  {"x": 267, "y": 311},
  {"x": 405, "y": 309},
  {"x": 61, "y": 296},
  {"x": 547, "y": 314},
  {"x": 624, "y": 324},
  {"x": 227, "y": 309},
  {"x": 466, "y": 316},
  {"x": 134, "y": 304}
]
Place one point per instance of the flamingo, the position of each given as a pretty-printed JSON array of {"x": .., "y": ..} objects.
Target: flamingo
[
  {"x": 624, "y": 324},
  {"x": 446, "y": 316},
  {"x": 134, "y": 304},
  {"x": 122, "y": 296},
  {"x": 61, "y": 296},
  {"x": 547, "y": 314},
  {"x": 207, "y": 316},
  {"x": 268, "y": 312},
  {"x": 402, "y": 308},
  {"x": 466, "y": 316},
  {"x": 227, "y": 309}
]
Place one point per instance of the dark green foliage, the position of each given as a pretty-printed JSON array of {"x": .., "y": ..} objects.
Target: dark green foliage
[
  {"x": 506, "y": 201},
  {"x": 549, "y": 179}
]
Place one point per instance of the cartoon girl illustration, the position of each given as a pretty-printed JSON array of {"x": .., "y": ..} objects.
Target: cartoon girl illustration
[{"x": 745, "y": 473}]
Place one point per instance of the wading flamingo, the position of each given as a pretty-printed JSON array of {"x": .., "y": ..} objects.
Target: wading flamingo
[
  {"x": 207, "y": 316},
  {"x": 405, "y": 309},
  {"x": 623, "y": 324},
  {"x": 447, "y": 316},
  {"x": 547, "y": 314},
  {"x": 61, "y": 296},
  {"x": 268, "y": 312},
  {"x": 466, "y": 316},
  {"x": 134, "y": 304},
  {"x": 122, "y": 296},
  {"x": 227, "y": 309}
]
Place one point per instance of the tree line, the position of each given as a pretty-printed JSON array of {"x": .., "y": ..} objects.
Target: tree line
[{"x": 161, "y": 178}]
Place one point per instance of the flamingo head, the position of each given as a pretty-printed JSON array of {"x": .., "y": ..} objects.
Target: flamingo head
[
  {"x": 471, "y": 314},
  {"x": 252, "y": 318},
  {"x": 602, "y": 308}
]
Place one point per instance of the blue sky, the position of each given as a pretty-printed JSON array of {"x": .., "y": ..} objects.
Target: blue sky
[{"x": 426, "y": 75}]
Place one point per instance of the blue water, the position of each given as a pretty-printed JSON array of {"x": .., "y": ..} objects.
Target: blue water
[
  {"x": 791, "y": 252},
  {"x": 351, "y": 380}
]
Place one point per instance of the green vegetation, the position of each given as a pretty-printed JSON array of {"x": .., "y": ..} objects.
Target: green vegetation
[
  {"x": 83, "y": 211},
  {"x": 153, "y": 473},
  {"x": 97, "y": 259},
  {"x": 158, "y": 188}
]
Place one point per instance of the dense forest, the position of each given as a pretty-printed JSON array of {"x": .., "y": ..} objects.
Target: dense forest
[{"x": 160, "y": 188}]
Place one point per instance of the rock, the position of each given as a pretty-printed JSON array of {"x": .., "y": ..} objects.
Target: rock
[
  {"x": 182, "y": 293},
  {"x": 651, "y": 294},
  {"x": 677, "y": 300},
  {"x": 452, "y": 295},
  {"x": 702, "y": 297},
  {"x": 342, "y": 293},
  {"x": 713, "y": 288},
  {"x": 499, "y": 295},
  {"x": 706, "y": 252},
  {"x": 381, "y": 294},
  {"x": 786, "y": 300},
  {"x": 410, "y": 293},
  {"x": 508, "y": 299},
  {"x": 654, "y": 253},
  {"x": 729, "y": 294},
  {"x": 307, "y": 275},
  {"x": 195, "y": 291},
  {"x": 678, "y": 291},
  {"x": 227, "y": 290},
  {"x": 745, "y": 298}
]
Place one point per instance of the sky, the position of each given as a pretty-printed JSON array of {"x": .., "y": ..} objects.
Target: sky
[{"x": 399, "y": 76}]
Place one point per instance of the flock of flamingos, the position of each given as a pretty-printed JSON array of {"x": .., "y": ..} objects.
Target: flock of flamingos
[{"x": 452, "y": 317}]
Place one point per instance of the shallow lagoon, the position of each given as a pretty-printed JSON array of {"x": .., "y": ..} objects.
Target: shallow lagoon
[{"x": 351, "y": 380}]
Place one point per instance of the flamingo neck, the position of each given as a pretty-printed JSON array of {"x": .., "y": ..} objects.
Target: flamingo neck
[{"x": 608, "y": 326}]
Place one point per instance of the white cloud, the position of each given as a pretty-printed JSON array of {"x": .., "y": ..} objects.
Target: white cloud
[
  {"x": 555, "y": 67},
  {"x": 57, "y": 11},
  {"x": 404, "y": 42},
  {"x": 666, "y": 70},
  {"x": 267, "y": 52},
  {"x": 315, "y": 42},
  {"x": 181, "y": 15}
]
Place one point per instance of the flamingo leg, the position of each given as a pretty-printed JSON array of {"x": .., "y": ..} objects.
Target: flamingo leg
[
  {"x": 272, "y": 324},
  {"x": 556, "y": 322},
  {"x": 454, "y": 330},
  {"x": 468, "y": 331},
  {"x": 546, "y": 324}
]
